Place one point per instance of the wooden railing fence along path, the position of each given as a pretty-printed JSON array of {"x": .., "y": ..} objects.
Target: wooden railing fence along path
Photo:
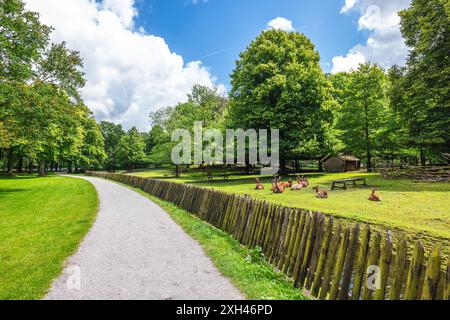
[{"x": 328, "y": 259}]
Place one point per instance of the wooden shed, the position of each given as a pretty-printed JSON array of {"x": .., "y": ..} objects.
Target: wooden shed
[{"x": 341, "y": 163}]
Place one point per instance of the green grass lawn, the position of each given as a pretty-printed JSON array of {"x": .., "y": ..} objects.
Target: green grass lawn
[
  {"x": 42, "y": 222},
  {"x": 246, "y": 268},
  {"x": 418, "y": 207}
]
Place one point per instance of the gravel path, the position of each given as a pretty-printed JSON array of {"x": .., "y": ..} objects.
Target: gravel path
[{"x": 136, "y": 251}]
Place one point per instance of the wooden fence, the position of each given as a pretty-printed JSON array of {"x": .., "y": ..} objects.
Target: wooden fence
[{"x": 328, "y": 259}]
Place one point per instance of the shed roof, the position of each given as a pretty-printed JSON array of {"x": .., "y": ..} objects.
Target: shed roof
[{"x": 344, "y": 157}]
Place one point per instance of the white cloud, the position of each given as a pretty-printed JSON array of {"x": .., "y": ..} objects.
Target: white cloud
[
  {"x": 348, "y": 5},
  {"x": 281, "y": 24},
  {"x": 350, "y": 62},
  {"x": 385, "y": 44},
  {"x": 129, "y": 72}
]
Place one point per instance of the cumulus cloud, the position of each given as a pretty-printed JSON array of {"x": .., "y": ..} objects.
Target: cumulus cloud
[
  {"x": 281, "y": 24},
  {"x": 350, "y": 62},
  {"x": 385, "y": 44},
  {"x": 129, "y": 72}
]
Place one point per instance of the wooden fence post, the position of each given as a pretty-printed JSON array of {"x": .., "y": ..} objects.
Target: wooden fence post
[
  {"x": 315, "y": 255},
  {"x": 415, "y": 270},
  {"x": 432, "y": 275},
  {"x": 349, "y": 264},
  {"x": 385, "y": 263},
  {"x": 323, "y": 258},
  {"x": 447, "y": 282},
  {"x": 361, "y": 263},
  {"x": 339, "y": 265},
  {"x": 330, "y": 262},
  {"x": 373, "y": 261},
  {"x": 399, "y": 270}
]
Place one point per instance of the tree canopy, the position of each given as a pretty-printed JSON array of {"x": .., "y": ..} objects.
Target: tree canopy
[
  {"x": 278, "y": 83},
  {"x": 42, "y": 115}
]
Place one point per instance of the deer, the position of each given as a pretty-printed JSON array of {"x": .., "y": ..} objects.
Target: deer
[
  {"x": 298, "y": 186},
  {"x": 305, "y": 182},
  {"x": 321, "y": 194},
  {"x": 277, "y": 187},
  {"x": 259, "y": 185},
  {"x": 374, "y": 196},
  {"x": 287, "y": 185}
]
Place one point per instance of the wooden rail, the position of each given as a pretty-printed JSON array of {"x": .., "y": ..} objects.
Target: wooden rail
[{"x": 328, "y": 259}]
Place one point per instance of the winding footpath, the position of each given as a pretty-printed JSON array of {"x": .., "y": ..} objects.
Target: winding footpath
[{"x": 136, "y": 251}]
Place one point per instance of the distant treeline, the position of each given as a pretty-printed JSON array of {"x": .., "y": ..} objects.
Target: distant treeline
[{"x": 396, "y": 115}]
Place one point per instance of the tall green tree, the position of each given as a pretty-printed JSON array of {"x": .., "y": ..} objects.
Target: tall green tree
[
  {"x": 278, "y": 84},
  {"x": 22, "y": 40},
  {"x": 130, "y": 150},
  {"x": 425, "y": 25},
  {"x": 364, "y": 110},
  {"x": 42, "y": 115},
  {"x": 112, "y": 133}
]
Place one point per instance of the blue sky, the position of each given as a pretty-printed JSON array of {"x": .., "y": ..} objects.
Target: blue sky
[
  {"x": 143, "y": 55},
  {"x": 216, "y": 31}
]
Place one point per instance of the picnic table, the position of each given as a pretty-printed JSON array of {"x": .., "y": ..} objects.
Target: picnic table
[
  {"x": 225, "y": 177},
  {"x": 342, "y": 184}
]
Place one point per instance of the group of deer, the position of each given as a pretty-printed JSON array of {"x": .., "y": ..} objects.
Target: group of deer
[
  {"x": 302, "y": 182},
  {"x": 280, "y": 187}
]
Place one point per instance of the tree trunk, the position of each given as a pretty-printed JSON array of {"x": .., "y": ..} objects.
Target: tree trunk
[
  {"x": 368, "y": 146},
  {"x": 283, "y": 167},
  {"x": 423, "y": 159},
  {"x": 42, "y": 168},
  {"x": 320, "y": 166},
  {"x": 69, "y": 167},
  {"x": 177, "y": 171},
  {"x": 30, "y": 167},
  {"x": 20, "y": 165},
  {"x": 10, "y": 164}
]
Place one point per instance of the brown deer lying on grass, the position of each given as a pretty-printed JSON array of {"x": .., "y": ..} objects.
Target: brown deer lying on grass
[
  {"x": 374, "y": 196},
  {"x": 305, "y": 182},
  {"x": 287, "y": 185},
  {"x": 298, "y": 186},
  {"x": 259, "y": 185},
  {"x": 321, "y": 194},
  {"x": 277, "y": 186}
]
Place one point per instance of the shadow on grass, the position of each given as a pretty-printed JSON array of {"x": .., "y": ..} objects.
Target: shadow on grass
[{"x": 7, "y": 192}]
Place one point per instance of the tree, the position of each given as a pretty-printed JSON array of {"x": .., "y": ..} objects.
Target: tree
[
  {"x": 93, "y": 152},
  {"x": 62, "y": 67},
  {"x": 425, "y": 25},
  {"x": 42, "y": 115},
  {"x": 364, "y": 110},
  {"x": 204, "y": 104},
  {"x": 112, "y": 134},
  {"x": 278, "y": 83},
  {"x": 22, "y": 38},
  {"x": 130, "y": 150}
]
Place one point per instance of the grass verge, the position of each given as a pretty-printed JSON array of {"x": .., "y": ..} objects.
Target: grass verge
[
  {"x": 247, "y": 269},
  {"x": 42, "y": 222}
]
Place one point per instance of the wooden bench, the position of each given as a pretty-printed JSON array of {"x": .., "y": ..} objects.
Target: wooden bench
[{"x": 342, "y": 184}]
